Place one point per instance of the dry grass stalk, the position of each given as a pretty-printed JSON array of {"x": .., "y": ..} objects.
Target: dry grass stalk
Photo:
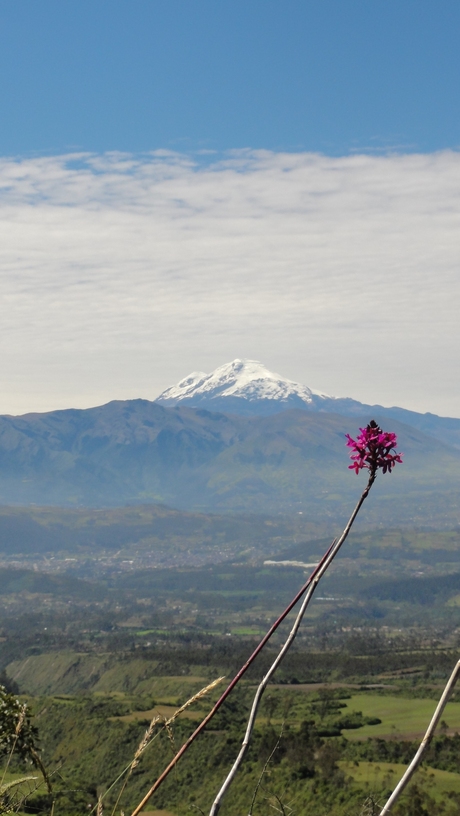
[
  {"x": 149, "y": 737},
  {"x": 23, "y": 796},
  {"x": 197, "y": 696},
  {"x": 100, "y": 810},
  {"x": 12, "y": 795},
  {"x": 144, "y": 742},
  {"x": 146, "y": 739},
  {"x": 170, "y": 734},
  {"x": 20, "y": 721},
  {"x": 202, "y": 693}
]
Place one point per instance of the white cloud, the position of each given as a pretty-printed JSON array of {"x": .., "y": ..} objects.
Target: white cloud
[{"x": 121, "y": 274}]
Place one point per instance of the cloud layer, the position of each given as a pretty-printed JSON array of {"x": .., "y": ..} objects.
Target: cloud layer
[{"x": 121, "y": 274}]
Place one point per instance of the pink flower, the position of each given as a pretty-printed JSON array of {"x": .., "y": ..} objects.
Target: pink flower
[{"x": 373, "y": 449}]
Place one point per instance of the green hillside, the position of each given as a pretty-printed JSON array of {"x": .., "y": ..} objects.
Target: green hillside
[{"x": 91, "y": 738}]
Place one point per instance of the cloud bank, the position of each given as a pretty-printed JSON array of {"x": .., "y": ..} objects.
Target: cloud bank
[{"x": 121, "y": 274}]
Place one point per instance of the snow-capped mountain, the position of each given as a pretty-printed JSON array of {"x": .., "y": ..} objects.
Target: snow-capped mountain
[
  {"x": 244, "y": 386},
  {"x": 247, "y": 388}
]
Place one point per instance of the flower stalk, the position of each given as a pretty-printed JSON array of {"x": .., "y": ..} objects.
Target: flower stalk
[
  {"x": 327, "y": 561},
  {"x": 374, "y": 449}
]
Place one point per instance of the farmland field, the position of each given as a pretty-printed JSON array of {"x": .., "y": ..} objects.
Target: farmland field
[{"x": 401, "y": 718}]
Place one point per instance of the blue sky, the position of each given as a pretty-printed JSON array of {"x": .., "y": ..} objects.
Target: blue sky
[
  {"x": 332, "y": 76},
  {"x": 187, "y": 182}
]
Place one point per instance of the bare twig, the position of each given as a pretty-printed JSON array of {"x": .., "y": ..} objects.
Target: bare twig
[
  {"x": 287, "y": 645},
  {"x": 195, "y": 807},
  {"x": 282, "y": 808},
  {"x": 369, "y": 807},
  {"x": 264, "y": 770},
  {"x": 425, "y": 741}
]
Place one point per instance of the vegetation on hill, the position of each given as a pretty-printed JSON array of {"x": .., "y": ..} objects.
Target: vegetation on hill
[
  {"x": 96, "y": 672},
  {"x": 307, "y": 755}
]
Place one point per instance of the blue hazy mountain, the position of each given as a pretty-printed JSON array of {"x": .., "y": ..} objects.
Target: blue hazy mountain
[{"x": 136, "y": 451}]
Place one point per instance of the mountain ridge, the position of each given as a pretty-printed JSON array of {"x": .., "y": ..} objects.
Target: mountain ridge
[
  {"x": 282, "y": 450},
  {"x": 136, "y": 451}
]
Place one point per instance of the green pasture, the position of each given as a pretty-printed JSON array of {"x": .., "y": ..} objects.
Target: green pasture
[
  {"x": 157, "y": 813},
  {"x": 384, "y": 776},
  {"x": 246, "y": 630},
  {"x": 401, "y": 717}
]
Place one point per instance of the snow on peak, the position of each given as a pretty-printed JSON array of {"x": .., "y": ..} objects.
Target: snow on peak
[{"x": 246, "y": 379}]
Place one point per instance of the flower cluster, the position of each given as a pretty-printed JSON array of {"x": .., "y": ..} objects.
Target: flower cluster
[{"x": 373, "y": 449}]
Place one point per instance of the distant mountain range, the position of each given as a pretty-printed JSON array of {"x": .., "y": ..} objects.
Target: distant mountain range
[
  {"x": 248, "y": 388},
  {"x": 136, "y": 451}
]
